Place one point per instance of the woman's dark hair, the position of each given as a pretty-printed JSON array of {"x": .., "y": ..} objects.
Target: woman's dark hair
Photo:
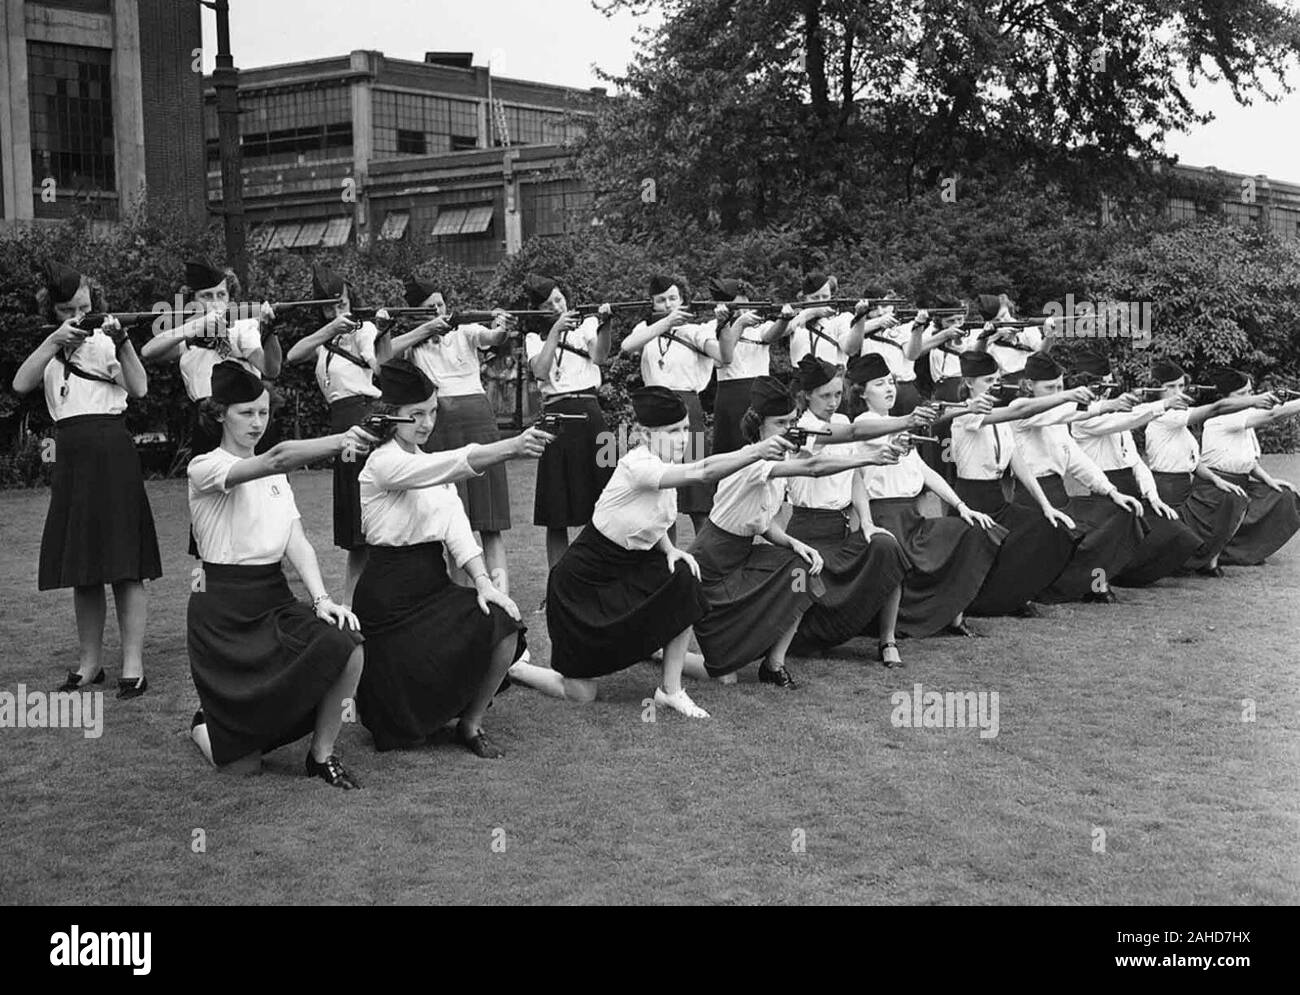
[
  {"x": 751, "y": 424},
  {"x": 210, "y": 413}
]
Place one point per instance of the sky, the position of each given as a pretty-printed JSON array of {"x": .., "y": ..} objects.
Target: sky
[{"x": 565, "y": 41}]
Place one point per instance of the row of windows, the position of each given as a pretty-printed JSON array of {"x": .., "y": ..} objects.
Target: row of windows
[
  {"x": 288, "y": 126},
  {"x": 291, "y": 145},
  {"x": 413, "y": 124},
  {"x": 525, "y": 126},
  {"x": 71, "y": 106}
]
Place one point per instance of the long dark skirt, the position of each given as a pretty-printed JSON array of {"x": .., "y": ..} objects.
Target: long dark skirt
[
  {"x": 1214, "y": 515},
  {"x": 947, "y": 389},
  {"x": 99, "y": 528},
  {"x": 1168, "y": 546},
  {"x": 466, "y": 419},
  {"x": 569, "y": 475},
  {"x": 947, "y": 559},
  {"x": 428, "y": 644},
  {"x": 1110, "y": 538},
  {"x": 608, "y": 607},
  {"x": 755, "y": 593},
  {"x": 696, "y": 499},
  {"x": 859, "y": 577},
  {"x": 261, "y": 659},
  {"x": 1033, "y": 555},
  {"x": 344, "y": 414},
  {"x": 1271, "y": 520},
  {"x": 729, "y": 406}
]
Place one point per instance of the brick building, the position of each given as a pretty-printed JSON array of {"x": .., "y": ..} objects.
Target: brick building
[
  {"x": 100, "y": 101},
  {"x": 363, "y": 146}
]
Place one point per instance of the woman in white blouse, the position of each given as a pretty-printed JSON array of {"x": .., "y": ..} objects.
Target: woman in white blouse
[
  {"x": 268, "y": 669},
  {"x": 679, "y": 353},
  {"x": 99, "y": 529},
  {"x": 1110, "y": 520},
  {"x": 948, "y": 558},
  {"x": 1231, "y": 449},
  {"x": 1040, "y": 542},
  {"x": 1211, "y": 506},
  {"x": 566, "y": 359},
  {"x": 344, "y": 352},
  {"x": 436, "y": 651},
  {"x": 623, "y": 592},
  {"x": 758, "y": 593},
  {"x": 449, "y": 355},
  {"x": 1108, "y": 441},
  {"x": 745, "y": 342},
  {"x": 863, "y": 566}
]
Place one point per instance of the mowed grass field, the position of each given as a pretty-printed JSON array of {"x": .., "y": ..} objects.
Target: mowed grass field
[{"x": 1125, "y": 721}]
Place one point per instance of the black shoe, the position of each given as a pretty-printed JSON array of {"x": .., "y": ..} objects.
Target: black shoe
[
  {"x": 781, "y": 678},
  {"x": 891, "y": 664},
  {"x": 198, "y": 720},
  {"x": 332, "y": 772},
  {"x": 1028, "y": 610},
  {"x": 1106, "y": 597},
  {"x": 74, "y": 681},
  {"x": 480, "y": 745},
  {"x": 1210, "y": 572},
  {"x": 131, "y": 687},
  {"x": 960, "y": 629}
]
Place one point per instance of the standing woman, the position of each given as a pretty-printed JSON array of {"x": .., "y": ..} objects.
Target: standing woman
[
  {"x": 99, "y": 529},
  {"x": 749, "y": 341},
  {"x": 1231, "y": 450},
  {"x": 1110, "y": 520},
  {"x": 623, "y": 590},
  {"x": 268, "y": 668},
  {"x": 864, "y": 567},
  {"x": 1039, "y": 544},
  {"x": 758, "y": 592},
  {"x": 346, "y": 364},
  {"x": 1108, "y": 442},
  {"x": 948, "y": 558},
  {"x": 436, "y": 651},
  {"x": 567, "y": 366},
  {"x": 211, "y": 337},
  {"x": 1211, "y": 506},
  {"x": 449, "y": 356},
  {"x": 679, "y": 354}
]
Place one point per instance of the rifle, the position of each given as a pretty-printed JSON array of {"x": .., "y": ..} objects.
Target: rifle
[
  {"x": 1005, "y": 393},
  {"x": 96, "y": 319},
  {"x": 849, "y": 303},
  {"x": 586, "y": 310},
  {"x": 487, "y": 317},
  {"x": 798, "y": 436},
  {"x": 553, "y": 421},
  {"x": 936, "y": 313},
  {"x": 1284, "y": 392}
]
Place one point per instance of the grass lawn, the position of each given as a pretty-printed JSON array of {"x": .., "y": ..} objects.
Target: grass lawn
[{"x": 1125, "y": 719}]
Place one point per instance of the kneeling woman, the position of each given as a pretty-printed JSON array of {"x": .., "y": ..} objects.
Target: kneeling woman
[
  {"x": 1110, "y": 520},
  {"x": 437, "y": 651},
  {"x": 1040, "y": 543},
  {"x": 268, "y": 669},
  {"x": 948, "y": 557},
  {"x": 623, "y": 591},
  {"x": 758, "y": 593},
  {"x": 864, "y": 567},
  {"x": 1231, "y": 450}
]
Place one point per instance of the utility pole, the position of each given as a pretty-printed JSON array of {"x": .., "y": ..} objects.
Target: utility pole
[{"x": 225, "y": 80}]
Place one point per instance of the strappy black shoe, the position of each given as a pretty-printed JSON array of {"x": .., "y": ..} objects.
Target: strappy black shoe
[
  {"x": 891, "y": 664},
  {"x": 960, "y": 629},
  {"x": 131, "y": 687},
  {"x": 332, "y": 772},
  {"x": 480, "y": 745},
  {"x": 780, "y": 678},
  {"x": 75, "y": 682}
]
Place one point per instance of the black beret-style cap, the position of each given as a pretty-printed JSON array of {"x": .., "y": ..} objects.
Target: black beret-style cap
[
  {"x": 864, "y": 369},
  {"x": 402, "y": 382},
  {"x": 657, "y": 406},
  {"x": 200, "y": 274},
  {"x": 234, "y": 384},
  {"x": 769, "y": 396}
]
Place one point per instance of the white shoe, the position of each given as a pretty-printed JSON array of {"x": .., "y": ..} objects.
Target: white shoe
[
  {"x": 524, "y": 657},
  {"x": 730, "y": 678},
  {"x": 680, "y": 702}
]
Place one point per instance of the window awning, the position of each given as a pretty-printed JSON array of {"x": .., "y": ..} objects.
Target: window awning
[
  {"x": 261, "y": 237},
  {"x": 394, "y": 226},
  {"x": 284, "y": 236},
  {"x": 470, "y": 220},
  {"x": 337, "y": 233},
  {"x": 310, "y": 234}
]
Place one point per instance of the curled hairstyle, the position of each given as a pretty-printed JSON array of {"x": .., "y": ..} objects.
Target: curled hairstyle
[
  {"x": 210, "y": 415},
  {"x": 45, "y": 300},
  {"x": 385, "y": 408},
  {"x": 751, "y": 425}
]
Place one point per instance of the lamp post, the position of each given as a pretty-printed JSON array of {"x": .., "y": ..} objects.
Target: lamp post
[{"x": 225, "y": 80}]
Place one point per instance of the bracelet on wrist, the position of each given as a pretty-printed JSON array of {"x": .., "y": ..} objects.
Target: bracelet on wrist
[{"x": 316, "y": 601}]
